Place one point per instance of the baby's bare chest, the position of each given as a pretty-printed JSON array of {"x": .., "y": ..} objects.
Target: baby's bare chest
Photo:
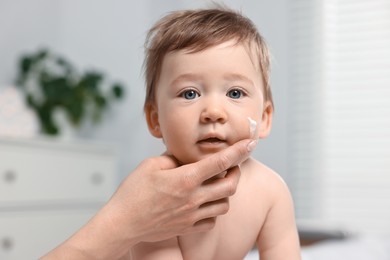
[{"x": 233, "y": 236}]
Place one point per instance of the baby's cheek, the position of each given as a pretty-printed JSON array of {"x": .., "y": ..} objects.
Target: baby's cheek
[
  {"x": 247, "y": 128},
  {"x": 240, "y": 132}
]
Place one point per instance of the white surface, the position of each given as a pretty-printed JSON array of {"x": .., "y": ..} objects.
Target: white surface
[
  {"x": 363, "y": 248},
  {"x": 16, "y": 119},
  {"x": 47, "y": 191},
  {"x": 64, "y": 174},
  {"x": 252, "y": 255},
  {"x": 30, "y": 234},
  {"x": 340, "y": 124}
]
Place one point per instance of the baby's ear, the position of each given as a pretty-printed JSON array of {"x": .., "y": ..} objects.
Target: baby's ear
[
  {"x": 151, "y": 114},
  {"x": 266, "y": 120}
]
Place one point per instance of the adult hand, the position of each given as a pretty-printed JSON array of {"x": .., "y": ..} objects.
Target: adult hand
[
  {"x": 178, "y": 200},
  {"x": 159, "y": 200}
]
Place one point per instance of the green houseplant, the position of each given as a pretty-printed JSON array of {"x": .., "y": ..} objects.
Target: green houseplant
[{"x": 51, "y": 83}]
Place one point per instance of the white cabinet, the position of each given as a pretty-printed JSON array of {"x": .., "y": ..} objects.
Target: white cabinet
[{"x": 48, "y": 190}]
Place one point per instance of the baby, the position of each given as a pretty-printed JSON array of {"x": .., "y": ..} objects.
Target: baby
[{"x": 207, "y": 76}]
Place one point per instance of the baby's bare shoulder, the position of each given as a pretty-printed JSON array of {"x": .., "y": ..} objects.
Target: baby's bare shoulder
[
  {"x": 261, "y": 184},
  {"x": 262, "y": 176}
]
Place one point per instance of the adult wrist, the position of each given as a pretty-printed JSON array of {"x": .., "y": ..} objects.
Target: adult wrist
[{"x": 110, "y": 234}]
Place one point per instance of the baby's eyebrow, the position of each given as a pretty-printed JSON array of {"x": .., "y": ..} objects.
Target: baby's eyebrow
[
  {"x": 237, "y": 77},
  {"x": 186, "y": 77},
  {"x": 228, "y": 77}
]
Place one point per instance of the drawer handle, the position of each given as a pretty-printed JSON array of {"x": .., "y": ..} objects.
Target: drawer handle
[
  {"x": 97, "y": 178},
  {"x": 7, "y": 244},
  {"x": 9, "y": 176}
]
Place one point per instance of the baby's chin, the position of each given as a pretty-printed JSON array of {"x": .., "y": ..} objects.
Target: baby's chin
[
  {"x": 192, "y": 157},
  {"x": 182, "y": 160}
]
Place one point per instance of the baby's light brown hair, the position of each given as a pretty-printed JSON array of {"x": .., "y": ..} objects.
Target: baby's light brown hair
[{"x": 196, "y": 30}]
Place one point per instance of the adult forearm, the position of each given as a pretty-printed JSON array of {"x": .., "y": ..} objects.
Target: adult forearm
[{"x": 100, "y": 238}]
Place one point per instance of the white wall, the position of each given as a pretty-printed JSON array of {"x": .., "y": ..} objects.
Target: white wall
[
  {"x": 109, "y": 35},
  {"x": 23, "y": 26}
]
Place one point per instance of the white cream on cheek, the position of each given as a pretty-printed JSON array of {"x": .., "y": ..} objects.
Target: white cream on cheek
[{"x": 252, "y": 127}]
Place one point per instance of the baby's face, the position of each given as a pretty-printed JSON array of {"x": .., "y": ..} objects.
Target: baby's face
[{"x": 204, "y": 99}]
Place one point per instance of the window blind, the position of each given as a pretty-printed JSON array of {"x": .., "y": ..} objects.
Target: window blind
[{"x": 340, "y": 112}]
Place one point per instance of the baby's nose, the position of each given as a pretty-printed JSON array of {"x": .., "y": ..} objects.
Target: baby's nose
[{"x": 213, "y": 112}]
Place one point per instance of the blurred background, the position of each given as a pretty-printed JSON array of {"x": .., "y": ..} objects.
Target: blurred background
[
  {"x": 110, "y": 36},
  {"x": 330, "y": 80}
]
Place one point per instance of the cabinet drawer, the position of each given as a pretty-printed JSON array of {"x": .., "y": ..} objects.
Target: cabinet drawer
[
  {"x": 35, "y": 175},
  {"x": 29, "y": 235}
]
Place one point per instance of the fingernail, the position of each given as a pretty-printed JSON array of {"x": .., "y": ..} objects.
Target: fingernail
[{"x": 251, "y": 146}]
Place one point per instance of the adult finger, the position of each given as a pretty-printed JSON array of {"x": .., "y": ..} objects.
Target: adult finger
[
  {"x": 202, "y": 226},
  {"x": 204, "y": 217},
  {"x": 220, "y": 188},
  {"x": 162, "y": 162},
  {"x": 221, "y": 161},
  {"x": 213, "y": 209}
]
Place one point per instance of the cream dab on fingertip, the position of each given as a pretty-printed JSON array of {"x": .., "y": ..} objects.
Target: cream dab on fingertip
[{"x": 252, "y": 127}]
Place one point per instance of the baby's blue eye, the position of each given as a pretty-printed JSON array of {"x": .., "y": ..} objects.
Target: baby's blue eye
[
  {"x": 234, "y": 93},
  {"x": 190, "y": 94}
]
